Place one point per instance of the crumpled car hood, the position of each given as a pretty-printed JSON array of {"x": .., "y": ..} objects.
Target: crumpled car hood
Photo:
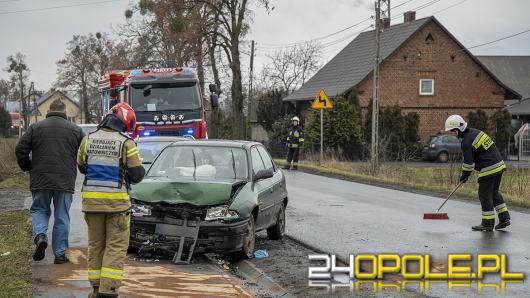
[{"x": 173, "y": 191}]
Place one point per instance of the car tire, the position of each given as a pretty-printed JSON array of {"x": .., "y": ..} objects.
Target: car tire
[
  {"x": 250, "y": 239},
  {"x": 443, "y": 157},
  {"x": 277, "y": 231}
]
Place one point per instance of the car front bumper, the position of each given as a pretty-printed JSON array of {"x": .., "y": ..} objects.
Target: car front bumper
[
  {"x": 213, "y": 236},
  {"x": 429, "y": 154}
]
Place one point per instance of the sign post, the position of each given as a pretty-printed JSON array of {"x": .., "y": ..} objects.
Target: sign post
[{"x": 322, "y": 102}]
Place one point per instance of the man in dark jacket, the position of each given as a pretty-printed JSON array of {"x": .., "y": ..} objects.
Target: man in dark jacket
[
  {"x": 481, "y": 154},
  {"x": 48, "y": 151}
]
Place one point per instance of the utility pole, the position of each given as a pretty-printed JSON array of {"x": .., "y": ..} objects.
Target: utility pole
[
  {"x": 249, "y": 106},
  {"x": 375, "y": 98}
]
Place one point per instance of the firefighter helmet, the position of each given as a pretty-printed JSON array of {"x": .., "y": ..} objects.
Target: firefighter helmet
[
  {"x": 455, "y": 122},
  {"x": 126, "y": 114},
  {"x": 295, "y": 118}
]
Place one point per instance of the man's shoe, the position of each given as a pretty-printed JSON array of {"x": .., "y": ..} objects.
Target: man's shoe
[
  {"x": 502, "y": 225},
  {"x": 40, "y": 249},
  {"x": 482, "y": 228},
  {"x": 61, "y": 259},
  {"x": 286, "y": 167}
]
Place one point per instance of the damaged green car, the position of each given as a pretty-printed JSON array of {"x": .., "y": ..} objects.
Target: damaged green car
[{"x": 208, "y": 196}]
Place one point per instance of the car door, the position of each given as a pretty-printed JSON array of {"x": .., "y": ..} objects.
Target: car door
[
  {"x": 276, "y": 190},
  {"x": 453, "y": 145},
  {"x": 261, "y": 188}
]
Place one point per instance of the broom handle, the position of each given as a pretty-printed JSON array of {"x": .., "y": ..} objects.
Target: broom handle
[{"x": 449, "y": 196}]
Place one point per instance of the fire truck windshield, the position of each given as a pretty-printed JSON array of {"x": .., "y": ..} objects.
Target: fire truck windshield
[{"x": 165, "y": 97}]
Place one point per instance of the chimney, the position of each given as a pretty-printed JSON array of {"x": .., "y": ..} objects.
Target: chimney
[
  {"x": 385, "y": 23},
  {"x": 409, "y": 16}
]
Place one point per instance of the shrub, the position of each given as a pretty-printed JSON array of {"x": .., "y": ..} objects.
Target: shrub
[{"x": 478, "y": 119}]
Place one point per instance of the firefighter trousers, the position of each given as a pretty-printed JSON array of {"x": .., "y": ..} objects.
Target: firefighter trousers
[
  {"x": 108, "y": 240},
  {"x": 292, "y": 156},
  {"x": 491, "y": 200}
]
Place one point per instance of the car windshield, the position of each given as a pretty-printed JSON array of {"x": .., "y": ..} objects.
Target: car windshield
[
  {"x": 201, "y": 162},
  {"x": 165, "y": 97},
  {"x": 150, "y": 150}
]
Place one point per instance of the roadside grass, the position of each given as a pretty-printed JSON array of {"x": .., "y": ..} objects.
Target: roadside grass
[
  {"x": 15, "y": 253},
  {"x": 15, "y": 182},
  {"x": 515, "y": 186}
]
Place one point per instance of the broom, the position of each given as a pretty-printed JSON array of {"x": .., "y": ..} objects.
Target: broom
[{"x": 438, "y": 215}]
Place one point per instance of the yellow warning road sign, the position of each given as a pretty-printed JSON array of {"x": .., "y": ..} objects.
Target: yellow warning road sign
[{"x": 322, "y": 101}]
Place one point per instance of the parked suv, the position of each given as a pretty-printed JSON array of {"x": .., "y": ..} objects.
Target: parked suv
[{"x": 442, "y": 148}]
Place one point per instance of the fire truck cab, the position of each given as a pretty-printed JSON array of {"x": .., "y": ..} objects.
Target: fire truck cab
[{"x": 167, "y": 101}]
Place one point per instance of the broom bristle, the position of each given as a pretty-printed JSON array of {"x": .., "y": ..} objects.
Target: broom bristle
[{"x": 435, "y": 216}]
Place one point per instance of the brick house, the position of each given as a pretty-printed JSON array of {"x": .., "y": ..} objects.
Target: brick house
[{"x": 423, "y": 69}]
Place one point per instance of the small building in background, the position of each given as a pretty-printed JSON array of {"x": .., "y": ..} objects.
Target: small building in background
[{"x": 73, "y": 110}]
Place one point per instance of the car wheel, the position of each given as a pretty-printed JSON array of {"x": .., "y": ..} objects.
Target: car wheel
[
  {"x": 250, "y": 239},
  {"x": 443, "y": 157},
  {"x": 277, "y": 231}
]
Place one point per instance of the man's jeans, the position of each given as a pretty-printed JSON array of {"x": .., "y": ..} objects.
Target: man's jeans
[{"x": 40, "y": 216}]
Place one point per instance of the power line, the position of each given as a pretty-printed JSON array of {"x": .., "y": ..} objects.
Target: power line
[
  {"x": 442, "y": 10},
  {"x": 496, "y": 40},
  {"x": 271, "y": 45},
  {"x": 56, "y": 7}
]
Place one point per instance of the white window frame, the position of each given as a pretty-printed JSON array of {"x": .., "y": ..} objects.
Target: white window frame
[{"x": 426, "y": 93}]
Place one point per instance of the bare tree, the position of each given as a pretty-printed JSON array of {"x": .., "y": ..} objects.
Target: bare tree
[
  {"x": 19, "y": 75},
  {"x": 233, "y": 18},
  {"x": 289, "y": 68},
  {"x": 85, "y": 60}
]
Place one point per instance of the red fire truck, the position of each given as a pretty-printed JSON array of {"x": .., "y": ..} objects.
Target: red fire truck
[{"x": 167, "y": 101}]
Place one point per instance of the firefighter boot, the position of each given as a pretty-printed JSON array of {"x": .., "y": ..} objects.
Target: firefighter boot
[
  {"x": 504, "y": 217},
  {"x": 486, "y": 225},
  {"x": 94, "y": 293},
  {"x": 287, "y": 167}
]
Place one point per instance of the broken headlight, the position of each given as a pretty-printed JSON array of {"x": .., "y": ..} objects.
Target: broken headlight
[
  {"x": 220, "y": 212},
  {"x": 141, "y": 210}
]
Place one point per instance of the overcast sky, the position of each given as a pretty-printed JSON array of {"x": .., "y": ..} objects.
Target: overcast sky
[{"x": 42, "y": 35}]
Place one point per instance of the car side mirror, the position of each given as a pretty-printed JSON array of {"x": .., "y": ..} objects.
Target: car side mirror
[
  {"x": 214, "y": 100},
  {"x": 263, "y": 174},
  {"x": 213, "y": 88}
]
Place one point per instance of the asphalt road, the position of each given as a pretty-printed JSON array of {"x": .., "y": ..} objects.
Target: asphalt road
[{"x": 345, "y": 218}]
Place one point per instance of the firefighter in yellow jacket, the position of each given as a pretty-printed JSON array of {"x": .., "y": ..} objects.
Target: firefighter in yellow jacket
[{"x": 110, "y": 161}]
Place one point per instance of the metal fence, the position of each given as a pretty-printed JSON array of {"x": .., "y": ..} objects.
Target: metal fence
[{"x": 522, "y": 142}]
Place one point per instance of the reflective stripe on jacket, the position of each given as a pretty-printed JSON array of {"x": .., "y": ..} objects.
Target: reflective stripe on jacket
[
  {"x": 104, "y": 188},
  {"x": 480, "y": 153},
  {"x": 295, "y": 138}
]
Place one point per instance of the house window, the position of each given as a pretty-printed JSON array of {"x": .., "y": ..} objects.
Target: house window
[
  {"x": 426, "y": 87},
  {"x": 71, "y": 119}
]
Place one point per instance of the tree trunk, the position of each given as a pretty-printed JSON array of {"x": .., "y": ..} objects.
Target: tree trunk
[
  {"x": 24, "y": 111},
  {"x": 237, "y": 93},
  {"x": 213, "y": 125}
]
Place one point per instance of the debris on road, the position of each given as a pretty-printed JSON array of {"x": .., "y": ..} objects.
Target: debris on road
[
  {"x": 261, "y": 254},
  {"x": 6, "y": 254}
]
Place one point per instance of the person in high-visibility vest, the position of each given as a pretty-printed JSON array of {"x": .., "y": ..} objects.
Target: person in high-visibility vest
[
  {"x": 110, "y": 160},
  {"x": 295, "y": 140},
  {"x": 481, "y": 154}
]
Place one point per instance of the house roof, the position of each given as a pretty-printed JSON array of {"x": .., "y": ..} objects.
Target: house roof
[
  {"x": 355, "y": 62},
  {"x": 520, "y": 108},
  {"x": 50, "y": 93},
  {"x": 513, "y": 71}
]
